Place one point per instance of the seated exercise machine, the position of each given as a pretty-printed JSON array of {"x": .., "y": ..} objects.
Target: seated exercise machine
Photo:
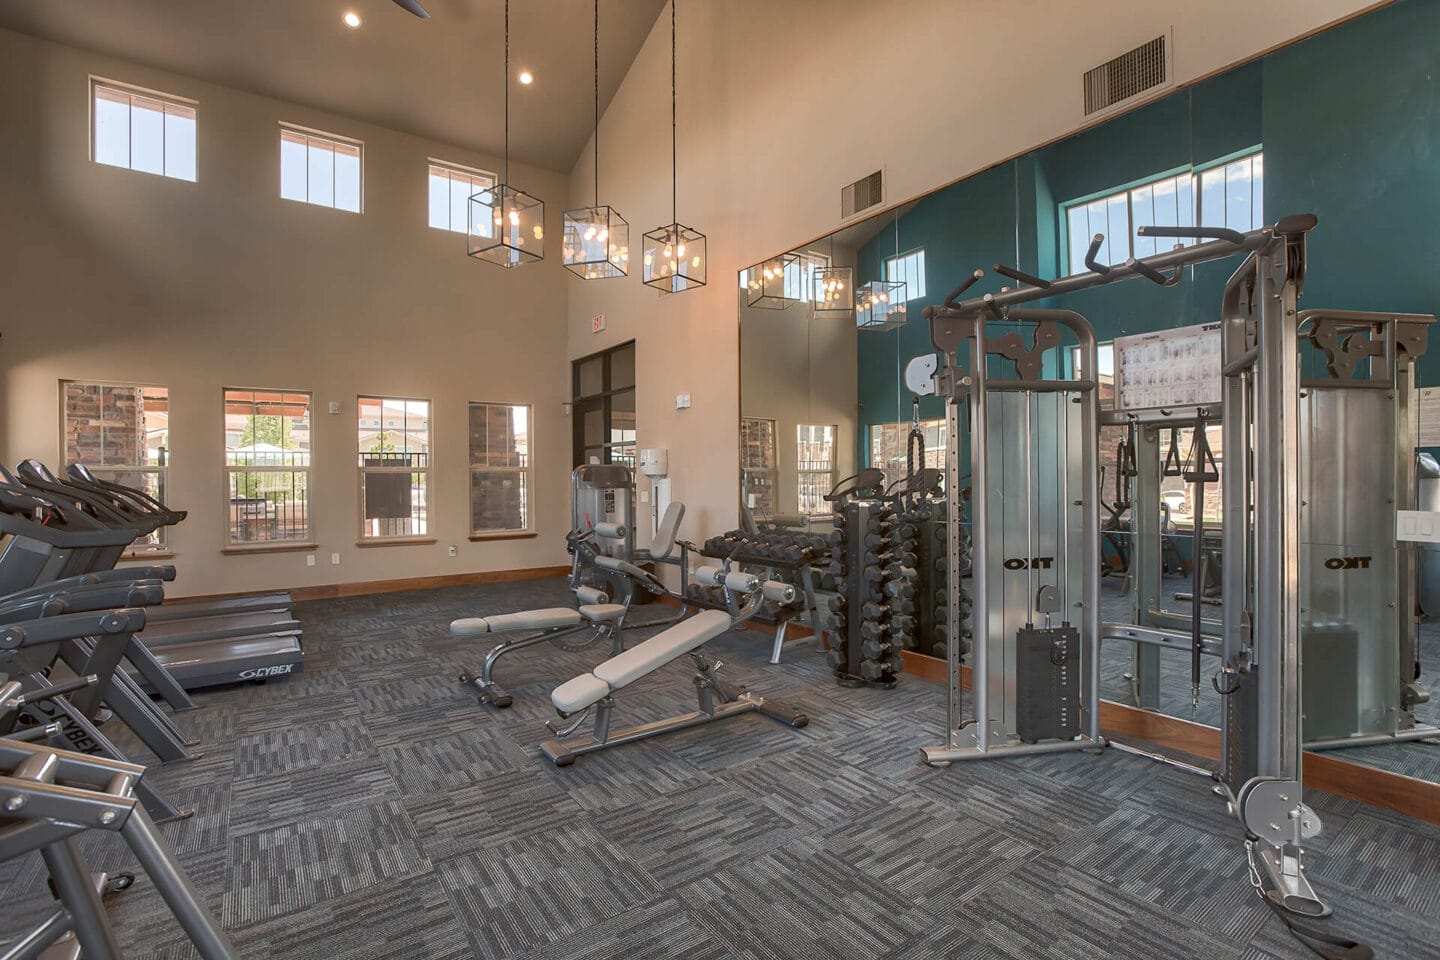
[
  {"x": 593, "y": 619},
  {"x": 717, "y": 699}
]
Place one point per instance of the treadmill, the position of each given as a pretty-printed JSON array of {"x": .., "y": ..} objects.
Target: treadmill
[{"x": 202, "y": 643}]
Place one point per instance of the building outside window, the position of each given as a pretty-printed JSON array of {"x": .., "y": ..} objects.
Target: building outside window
[
  {"x": 121, "y": 431},
  {"x": 890, "y": 445},
  {"x": 501, "y": 472},
  {"x": 142, "y": 130},
  {"x": 321, "y": 168},
  {"x": 1229, "y": 194},
  {"x": 267, "y": 464},
  {"x": 815, "y": 467},
  {"x": 394, "y": 465},
  {"x": 759, "y": 470},
  {"x": 451, "y": 187}
]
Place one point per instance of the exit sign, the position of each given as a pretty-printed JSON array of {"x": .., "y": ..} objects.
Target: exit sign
[{"x": 597, "y": 323}]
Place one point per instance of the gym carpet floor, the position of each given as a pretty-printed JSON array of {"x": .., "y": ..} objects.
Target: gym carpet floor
[{"x": 368, "y": 808}]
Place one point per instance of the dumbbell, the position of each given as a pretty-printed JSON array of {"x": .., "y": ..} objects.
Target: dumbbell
[
  {"x": 874, "y": 630},
  {"x": 878, "y": 649},
  {"x": 899, "y": 589},
  {"x": 877, "y": 669},
  {"x": 836, "y": 659},
  {"x": 874, "y": 611},
  {"x": 836, "y": 538},
  {"x": 826, "y": 581},
  {"x": 902, "y": 624},
  {"x": 901, "y": 571},
  {"x": 835, "y": 604},
  {"x": 940, "y": 649}
]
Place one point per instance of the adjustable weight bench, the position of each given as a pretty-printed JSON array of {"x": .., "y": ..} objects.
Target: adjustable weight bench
[
  {"x": 556, "y": 624},
  {"x": 716, "y": 699}
]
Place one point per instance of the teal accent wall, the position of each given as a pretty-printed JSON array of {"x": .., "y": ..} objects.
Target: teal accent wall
[{"x": 1350, "y": 124}]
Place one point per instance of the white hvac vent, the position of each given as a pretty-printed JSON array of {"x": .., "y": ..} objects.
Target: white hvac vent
[
  {"x": 1128, "y": 75},
  {"x": 860, "y": 195}
]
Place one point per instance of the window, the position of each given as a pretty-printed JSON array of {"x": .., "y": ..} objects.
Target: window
[
  {"x": 121, "y": 431},
  {"x": 320, "y": 169},
  {"x": 758, "y": 470},
  {"x": 909, "y": 269},
  {"x": 815, "y": 467},
  {"x": 500, "y": 471},
  {"x": 603, "y": 386},
  {"x": 1226, "y": 194},
  {"x": 890, "y": 446},
  {"x": 450, "y": 190},
  {"x": 142, "y": 130},
  {"x": 1105, "y": 360},
  {"x": 267, "y": 463},
  {"x": 394, "y": 444}
]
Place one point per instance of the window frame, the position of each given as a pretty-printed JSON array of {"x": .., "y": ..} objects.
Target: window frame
[
  {"x": 288, "y": 543},
  {"x": 1195, "y": 171},
  {"x": 472, "y": 174},
  {"x": 770, "y": 475},
  {"x": 161, "y": 547},
  {"x": 802, "y": 472},
  {"x": 611, "y": 450},
  {"x": 328, "y": 139},
  {"x": 167, "y": 100},
  {"x": 902, "y": 429},
  {"x": 428, "y": 469},
  {"x": 916, "y": 255},
  {"x": 526, "y": 472}
]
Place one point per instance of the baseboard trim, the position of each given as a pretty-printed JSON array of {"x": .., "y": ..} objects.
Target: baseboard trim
[{"x": 361, "y": 588}]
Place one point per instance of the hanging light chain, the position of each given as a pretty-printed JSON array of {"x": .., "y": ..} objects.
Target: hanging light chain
[
  {"x": 674, "y": 190},
  {"x": 507, "y": 91},
  {"x": 597, "y": 103}
]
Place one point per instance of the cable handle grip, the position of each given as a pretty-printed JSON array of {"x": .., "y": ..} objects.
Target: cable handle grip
[{"x": 965, "y": 284}]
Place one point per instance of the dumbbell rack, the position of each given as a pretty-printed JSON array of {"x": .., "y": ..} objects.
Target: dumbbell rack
[
  {"x": 800, "y": 574},
  {"x": 872, "y": 618}
]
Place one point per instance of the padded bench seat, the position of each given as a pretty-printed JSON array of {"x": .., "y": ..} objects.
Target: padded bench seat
[
  {"x": 687, "y": 635},
  {"x": 547, "y": 619}
]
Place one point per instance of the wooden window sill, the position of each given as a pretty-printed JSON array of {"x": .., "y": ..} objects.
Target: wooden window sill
[
  {"x": 143, "y": 557},
  {"x": 396, "y": 542},
  {"x": 236, "y": 549},
  {"x": 503, "y": 535}
]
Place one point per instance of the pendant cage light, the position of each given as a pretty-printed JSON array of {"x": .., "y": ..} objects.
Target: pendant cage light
[
  {"x": 675, "y": 255},
  {"x": 775, "y": 283},
  {"x": 506, "y": 225},
  {"x": 597, "y": 238},
  {"x": 880, "y": 305},
  {"x": 832, "y": 289}
]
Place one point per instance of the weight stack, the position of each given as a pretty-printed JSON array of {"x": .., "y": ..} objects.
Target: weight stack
[
  {"x": 1047, "y": 675},
  {"x": 863, "y": 599}
]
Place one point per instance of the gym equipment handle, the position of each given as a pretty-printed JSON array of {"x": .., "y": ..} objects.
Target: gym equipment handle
[
  {"x": 1021, "y": 276},
  {"x": 1090, "y": 260},
  {"x": 1192, "y": 233},
  {"x": 965, "y": 284}
]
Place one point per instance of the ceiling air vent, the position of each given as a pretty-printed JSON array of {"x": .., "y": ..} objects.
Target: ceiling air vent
[
  {"x": 860, "y": 195},
  {"x": 1128, "y": 75}
]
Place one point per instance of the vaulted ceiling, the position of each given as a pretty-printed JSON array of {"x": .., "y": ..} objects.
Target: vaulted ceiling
[{"x": 439, "y": 78}]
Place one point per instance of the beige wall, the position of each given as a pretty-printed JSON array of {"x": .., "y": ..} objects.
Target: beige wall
[
  {"x": 774, "y": 121},
  {"x": 113, "y": 275}
]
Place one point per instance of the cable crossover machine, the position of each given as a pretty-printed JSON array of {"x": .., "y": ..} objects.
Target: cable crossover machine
[{"x": 1033, "y": 433}]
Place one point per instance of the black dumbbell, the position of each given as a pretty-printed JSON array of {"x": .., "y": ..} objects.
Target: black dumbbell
[
  {"x": 878, "y": 649},
  {"x": 874, "y": 611},
  {"x": 873, "y": 630}
]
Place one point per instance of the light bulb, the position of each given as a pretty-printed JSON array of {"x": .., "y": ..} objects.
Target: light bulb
[
  {"x": 352, "y": 19},
  {"x": 668, "y": 250},
  {"x": 539, "y": 232},
  {"x": 694, "y": 261},
  {"x": 515, "y": 218},
  {"x": 498, "y": 218},
  {"x": 526, "y": 77},
  {"x": 672, "y": 265},
  {"x": 884, "y": 298},
  {"x": 590, "y": 234},
  {"x": 603, "y": 234},
  {"x": 681, "y": 250}
]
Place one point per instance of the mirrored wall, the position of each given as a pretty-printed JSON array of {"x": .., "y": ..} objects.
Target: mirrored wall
[{"x": 822, "y": 388}]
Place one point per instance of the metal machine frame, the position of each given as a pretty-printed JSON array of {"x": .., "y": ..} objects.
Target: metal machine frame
[
  {"x": 1261, "y": 735},
  {"x": 1064, "y": 504}
]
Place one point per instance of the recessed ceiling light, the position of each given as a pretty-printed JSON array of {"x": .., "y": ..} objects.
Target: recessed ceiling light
[
  {"x": 352, "y": 19},
  {"x": 526, "y": 77}
]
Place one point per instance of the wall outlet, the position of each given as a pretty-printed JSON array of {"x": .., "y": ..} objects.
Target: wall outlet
[
  {"x": 334, "y": 406},
  {"x": 682, "y": 401},
  {"x": 335, "y": 559},
  {"x": 453, "y": 551},
  {"x": 309, "y": 559}
]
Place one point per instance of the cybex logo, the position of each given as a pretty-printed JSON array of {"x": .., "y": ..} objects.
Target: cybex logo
[
  {"x": 1347, "y": 563},
  {"x": 259, "y": 672},
  {"x": 1034, "y": 563}
]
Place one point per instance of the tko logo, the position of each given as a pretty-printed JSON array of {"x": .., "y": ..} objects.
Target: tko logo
[
  {"x": 260, "y": 672},
  {"x": 1034, "y": 563},
  {"x": 1347, "y": 563}
]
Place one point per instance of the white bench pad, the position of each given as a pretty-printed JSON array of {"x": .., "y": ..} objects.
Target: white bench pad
[
  {"x": 620, "y": 670},
  {"x": 602, "y": 612},
  {"x": 546, "y": 619}
]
